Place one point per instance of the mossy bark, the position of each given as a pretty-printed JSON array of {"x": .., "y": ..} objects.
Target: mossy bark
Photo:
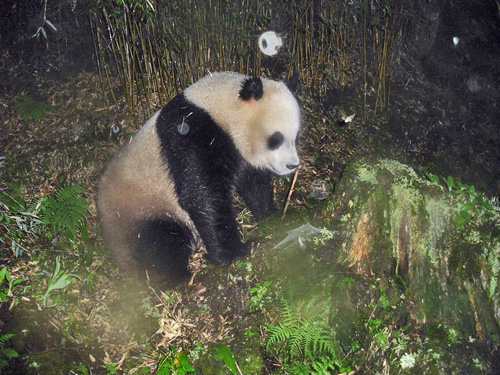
[{"x": 399, "y": 225}]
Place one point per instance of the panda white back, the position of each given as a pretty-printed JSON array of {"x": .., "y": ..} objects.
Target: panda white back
[{"x": 136, "y": 187}]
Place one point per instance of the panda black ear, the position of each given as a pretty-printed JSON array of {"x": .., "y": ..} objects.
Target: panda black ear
[{"x": 251, "y": 88}]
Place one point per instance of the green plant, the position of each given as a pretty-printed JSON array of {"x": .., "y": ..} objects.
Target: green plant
[
  {"x": 174, "y": 362},
  {"x": 324, "y": 236},
  {"x": 5, "y": 352},
  {"x": 80, "y": 369},
  {"x": 41, "y": 29},
  {"x": 379, "y": 332},
  {"x": 60, "y": 279},
  {"x": 240, "y": 264},
  {"x": 66, "y": 210},
  {"x": 304, "y": 338},
  {"x": 20, "y": 224},
  {"x": 111, "y": 368},
  {"x": 346, "y": 281},
  {"x": 224, "y": 354},
  {"x": 471, "y": 205},
  {"x": 11, "y": 282},
  {"x": 149, "y": 309},
  {"x": 33, "y": 109},
  {"x": 407, "y": 361},
  {"x": 249, "y": 332},
  {"x": 258, "y": 292}
]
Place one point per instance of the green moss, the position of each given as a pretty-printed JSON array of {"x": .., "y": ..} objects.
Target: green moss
[
  {"x": 493, "y": 262},
  {"x": 366, "y": 174},
  {"x": 50, "y": 362},
  {"x": 439, "y": 214},
  {"x": 246, "y": 353},
  {"x": 399, "y": 224},
  {"x": 398, "y": 169}
]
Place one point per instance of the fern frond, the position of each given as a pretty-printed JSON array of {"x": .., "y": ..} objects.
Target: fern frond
[
  {"x": 322, "y": 365},
  {"x": 296, "y": 343},
  {"x": 5, "y": 338},
  {"x": 33, "y": 109},
  {"x": 67, "y": 209},
  {"x": 9, "y": 353},
  {"x": 277, "y": 335},
  {"x": 288, "y": 317},
  {"x": 323, "y": 344},
  {"x": 302, "y": 338},
  {"x": 6, "y": 352}
]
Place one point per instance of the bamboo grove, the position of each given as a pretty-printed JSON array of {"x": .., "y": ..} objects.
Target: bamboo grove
[{"x": 158, "y": 47}]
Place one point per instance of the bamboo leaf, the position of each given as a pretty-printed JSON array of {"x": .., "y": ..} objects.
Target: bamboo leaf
[{"x": 50, "y": 25}]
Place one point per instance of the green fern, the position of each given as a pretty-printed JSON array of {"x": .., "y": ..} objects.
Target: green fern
[
  {"x": 284, "y": 330},
  {"x": 302, "y": 338},
  {"x": 30, "y": 108},
  {"x": 67, "y": 209},
  {"x": 6, "y": 353}
]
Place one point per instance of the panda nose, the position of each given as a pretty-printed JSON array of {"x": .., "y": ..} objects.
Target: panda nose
[{"x": 292, "y": 166}]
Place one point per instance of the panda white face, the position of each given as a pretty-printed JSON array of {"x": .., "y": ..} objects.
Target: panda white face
[
  {"x": 281, "y": 155},
  {"x": 262, "y": 116},
  {"x": 275, "y": 124}
]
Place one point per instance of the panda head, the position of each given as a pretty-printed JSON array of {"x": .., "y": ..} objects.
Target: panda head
[
  {"x": 262, "y": 117},
  {"x": 273, "y": 121}
]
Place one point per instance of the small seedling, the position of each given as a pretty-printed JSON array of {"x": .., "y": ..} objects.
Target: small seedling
[
  {"x": 175, "y": 362},
  {"x": 60, "y": 279},
  {"x": 258, "y": 293},
  {"x": 7, "y": 292}
]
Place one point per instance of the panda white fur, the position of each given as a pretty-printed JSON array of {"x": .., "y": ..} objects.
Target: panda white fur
[{"x": 173, "y": 184}]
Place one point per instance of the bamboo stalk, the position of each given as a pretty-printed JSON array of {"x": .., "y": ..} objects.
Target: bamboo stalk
[{"x": 155, "y": 57}]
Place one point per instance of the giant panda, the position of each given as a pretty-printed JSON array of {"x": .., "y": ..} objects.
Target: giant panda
[{"x": 173, "y": 185}]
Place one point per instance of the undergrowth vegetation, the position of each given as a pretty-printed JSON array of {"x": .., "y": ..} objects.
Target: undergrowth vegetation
[
  {"x": 33, "y": 109},
  {"x": 296, "y": 342},
  {"x": 305, "y": 343},
  {"x": 473, "y": 206},
  {"x": 5, "y": 351},
  {"x": 31, "y": 228}
]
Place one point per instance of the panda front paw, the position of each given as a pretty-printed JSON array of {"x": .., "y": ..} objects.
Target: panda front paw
[{"x": 228, "y": 256}]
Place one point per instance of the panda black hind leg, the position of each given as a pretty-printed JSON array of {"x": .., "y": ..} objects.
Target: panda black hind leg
[{"x": 163, "y": 249}]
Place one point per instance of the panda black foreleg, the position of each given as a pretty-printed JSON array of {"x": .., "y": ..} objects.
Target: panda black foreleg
[
  {"x": 163, "y": 249},
  {"x": 216, "y": 225},
  {"x": 255, "y": 187}
]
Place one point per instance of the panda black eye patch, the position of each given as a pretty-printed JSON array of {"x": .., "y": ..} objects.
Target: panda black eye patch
[{"x": 275, "y": 141}]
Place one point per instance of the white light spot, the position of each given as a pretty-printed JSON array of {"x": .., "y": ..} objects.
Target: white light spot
[
  {"x": 456, "y": 40},
  {"x": 473, "y": 84},
  {"x": 348, "y": 119},
  {"x": 183, "y": 128},
  {"x": 270, "y": 43}
]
